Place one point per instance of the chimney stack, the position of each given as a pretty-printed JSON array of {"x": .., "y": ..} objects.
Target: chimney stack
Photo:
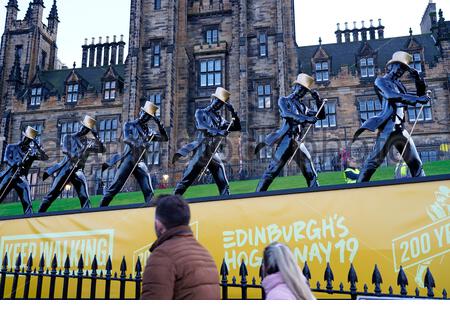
[
  {"x": 121, "y": 50},
  {"x": 99, "y": 47},
  {"x": 85, "y": 53},
  {"x": 363, "y": 31},
  {"x": 347, "y": 33},
  {"x": 106, "y": 49},
  {"x": 114, "y": 51},
  {"x": 338, "y": 33},
  {"x": 92, "y": 53},
  {"x": 355, "y": 32},
  {"x": 372, "y": 30},
  {"x": 380, "y": 30}
]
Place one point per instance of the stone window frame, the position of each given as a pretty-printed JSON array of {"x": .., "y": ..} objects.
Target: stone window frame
[
  {"x": 211, "y": 28},
  {"x": 102, "y": 176},
  {"x": 207, "y": 72},
  {"x": 425, "y": 117},
  {"x": 71, "y": 92},
  {"x": 322, "y": 71},
  {"x": 268, "y": 152},
  {"x": 330, "y": 125},
  {"x": 369, "y": 111},
  {"x": 110, "y": 93},
  {"x": 74, "y": 124},
  {"x": 157, "y": 5},
  {"x": 156, "y": 97},
  {"x": 112, "y": 130},
  {"x": 363, "y": 64},
  {"x": 263, "y": 35},
  {"x": 35, "y": 97},
  {"x": 154, "y": 153},
  {"x": 264, "y": 83},
  {"x": 156, "y": 54},
  {"x": 418, "y": 62}
]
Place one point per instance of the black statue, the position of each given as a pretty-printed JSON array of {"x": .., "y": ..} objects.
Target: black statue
[
  {"x": 296, "y": 116},
  {"x": 137, "y": 138},
  {"x": 391, "y": 121},
  {"x": 77, "y": 148},
  {"x": 19, "y": 158},
  {"x": 212, "y": 128}
]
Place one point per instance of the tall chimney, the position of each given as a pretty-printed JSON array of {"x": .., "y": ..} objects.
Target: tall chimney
[
  {"x": 99, "y": 47},
  {"x": 363, "y": 31},
  {"x": 372, "y": 30},
  {"x": 121, "y": 50},
  {"x": 92, "y": 53},
  {"x": 380, "y": 30},
  {"x": 114, "y": 51},
  {"x": 106, "y": 50},
  {"x": 338, "y": 33},
  {"x": 347, "y": 33},
  {"x": 84, "y": 59},
  {"x": 355, "y": 32}
]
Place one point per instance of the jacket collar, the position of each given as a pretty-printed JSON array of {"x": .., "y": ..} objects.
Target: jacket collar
[
  {"x": 272, "y": 281},
  {"x": 181, "y": 231}
]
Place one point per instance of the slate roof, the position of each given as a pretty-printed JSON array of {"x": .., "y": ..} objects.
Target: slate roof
[
  {"x": 91, "y": 75},
  {"x": 346, "y": 53}
]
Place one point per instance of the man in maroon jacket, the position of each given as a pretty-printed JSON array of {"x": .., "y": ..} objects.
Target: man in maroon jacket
[{"x": 179, "y": 268}]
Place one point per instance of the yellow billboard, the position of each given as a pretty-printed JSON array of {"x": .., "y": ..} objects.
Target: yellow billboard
[{"x": 404, "y": 225}]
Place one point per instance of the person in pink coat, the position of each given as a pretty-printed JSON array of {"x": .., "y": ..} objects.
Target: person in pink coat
[{"x": 283, "y": 278}]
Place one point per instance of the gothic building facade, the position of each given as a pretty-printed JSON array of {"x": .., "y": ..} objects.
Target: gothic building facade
[{"x": 179, "y": 51}]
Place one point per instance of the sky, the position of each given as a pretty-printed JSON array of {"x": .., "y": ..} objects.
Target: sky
[{"x": 82, "y": 19}]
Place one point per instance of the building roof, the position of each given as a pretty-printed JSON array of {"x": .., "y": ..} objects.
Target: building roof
[
  {"x": 346, "y": 53},
  {"x": 91, "y": 75}
]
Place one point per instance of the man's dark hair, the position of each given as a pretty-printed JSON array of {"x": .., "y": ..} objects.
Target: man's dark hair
[{"x": 172, "y": 211}]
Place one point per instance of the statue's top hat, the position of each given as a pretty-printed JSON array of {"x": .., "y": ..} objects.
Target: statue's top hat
[
  {"x": 30, "y": 133},
  {"x": 150, "y": 108},
  {"x": 304, "y": 80},
  {"x": 222, "y": 94},
  {"x": 89, "y": 122},
  {"x": 401, "y": 57}
]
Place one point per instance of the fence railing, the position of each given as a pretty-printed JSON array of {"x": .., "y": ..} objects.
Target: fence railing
[{"x": 83, "y": 283}]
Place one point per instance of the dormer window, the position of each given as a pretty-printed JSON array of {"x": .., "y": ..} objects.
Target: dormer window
[
  {"x": 72, "y": 93},
  {"x": 36, "y": 97},
  {"x": 322, "y": 71},
  {"x": 110, "y": 90},
  {"x": 417, "y": 62},
  {"x": 367, "y": 67}
]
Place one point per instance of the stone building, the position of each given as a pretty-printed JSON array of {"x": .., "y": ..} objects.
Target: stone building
[
  {"x": 346, "y": 70},
  {"x": 180, "y": 51}
]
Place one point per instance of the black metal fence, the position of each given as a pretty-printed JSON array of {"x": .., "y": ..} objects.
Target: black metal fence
[{"x": 81, "y": 283}]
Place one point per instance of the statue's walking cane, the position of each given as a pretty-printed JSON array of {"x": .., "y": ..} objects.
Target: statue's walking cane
[
  {"x": 215, "y": 151},
  {"x": 90, "y": 144},
  {"x": 137, "y": 163},
  {"x": 413, "y": 129},
  {"x": 307, "y": 131},
  {"x": 14, "y": 176}
]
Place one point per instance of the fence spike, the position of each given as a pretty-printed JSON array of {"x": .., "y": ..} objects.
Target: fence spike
[
  {"x": 341, "y": 287},
  {"x": 94, "y": 266},
  {"x": 54, "y": 263},
  {"x": 42, "y": 263},
  {"x": 352, "y": 278},
  {"x": 81, "y": 263},
  {"x": 307, "y": 272},
  {"x": 429, "y": 283},
  {"x": 243, "y": 272},
  {"x": 233, "y": 280},
  {"x": 22, "y": 270},
  {"x": 391, "y": 291},
  {"x": 109, "y": 265},
  {"x": 115, "y": 275},
  {"x": 123, "y": 268},
  {"x": 30, "y": 263},
  {"x": 254, "y": 281},
  {"x": 444, "y": 294},
  {"x": 329, "y": 277},
  {"x": 138, "y": 268},
  {"x": 417, "y": 292},
  {"x": 224, "y": 269},
  {"x": 18, "y": 262},
  {"x": 318, "y": 285},
  {"x": 67, "y": 264},
  {"x": 402, "y": 281},
  {"x": 366, "y": 288},
  {"x": 5, "y": 262},
  {"x": 377, "y": 280}
]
